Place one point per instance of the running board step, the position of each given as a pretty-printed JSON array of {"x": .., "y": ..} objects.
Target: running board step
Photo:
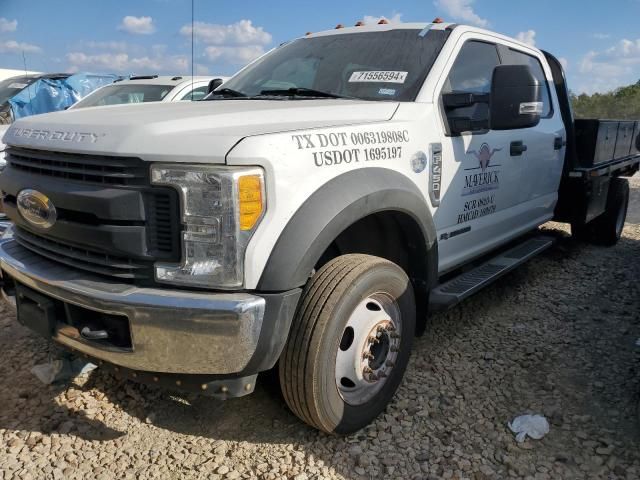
[{"x": 454, "y": 291}]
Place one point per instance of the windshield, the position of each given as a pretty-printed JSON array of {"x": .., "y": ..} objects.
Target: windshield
[
  {"x": 384, "y": 65},
  {"x": 12, "y": 86},
  {"x": 121, "y": 94}
]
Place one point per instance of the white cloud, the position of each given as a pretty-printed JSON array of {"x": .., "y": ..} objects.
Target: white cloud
[
  {"x": 123, "y": 62},
  {"x": 137, "y": 25},
  {"x": 8, "y": 25},
  {"x": 11, "y": 46},
  {"x": 236, "y": 55},
  {"x": 239, "y": 33},
  {"x": 528, "y": 37},
  {"x": 109, "y": 45},
  {"x": 372, "y": 19},
  {"x": 611, "y": 68},
  {"x": 201, "y": 69},
  {"x": 461, "y": 10}
]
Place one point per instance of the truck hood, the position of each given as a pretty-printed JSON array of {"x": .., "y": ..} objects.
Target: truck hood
[{"x": 184, "y": 131}]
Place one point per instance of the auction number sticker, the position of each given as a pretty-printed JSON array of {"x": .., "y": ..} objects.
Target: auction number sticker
[{"x": 378, "y": 76}]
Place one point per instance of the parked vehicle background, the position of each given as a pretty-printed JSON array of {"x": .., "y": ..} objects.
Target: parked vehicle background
[
  {"x": 27, "y": 95},
  {"x": 148, "y": 88},
  {"x": 10, "y": 72}
]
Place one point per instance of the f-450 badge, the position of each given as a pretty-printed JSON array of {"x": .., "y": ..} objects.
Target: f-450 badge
[{"x": 485, "y": 176}]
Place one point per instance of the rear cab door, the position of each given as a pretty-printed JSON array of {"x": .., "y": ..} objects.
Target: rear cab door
[{"x": 488, "y": 172}]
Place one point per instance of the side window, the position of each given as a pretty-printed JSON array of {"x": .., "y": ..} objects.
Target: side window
[
  {"x": 198, "y": 93},
  {"x": 473, "y": 68},
  {"x": 516, "y": 57}
]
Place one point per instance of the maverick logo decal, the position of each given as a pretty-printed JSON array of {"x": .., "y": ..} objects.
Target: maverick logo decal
[{"x": 484, "y": 177}]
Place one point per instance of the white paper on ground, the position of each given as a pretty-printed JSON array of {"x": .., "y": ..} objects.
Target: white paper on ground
[{"x": 534, "y": 426}]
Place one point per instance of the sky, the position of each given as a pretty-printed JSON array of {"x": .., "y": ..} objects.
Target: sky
[{"x": 598, "y": 42}]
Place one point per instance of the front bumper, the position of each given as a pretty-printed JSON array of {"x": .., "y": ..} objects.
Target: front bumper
[{"x": 171, "y": 331}]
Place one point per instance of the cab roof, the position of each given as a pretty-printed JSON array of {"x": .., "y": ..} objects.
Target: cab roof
[
  {"x": 414, "y": 26},
  {"x": 382, "y": 28}
]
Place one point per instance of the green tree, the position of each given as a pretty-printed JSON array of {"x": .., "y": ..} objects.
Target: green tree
[{"x": 622, "y": 103}]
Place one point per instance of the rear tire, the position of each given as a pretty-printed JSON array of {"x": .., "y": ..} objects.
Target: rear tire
[
  {"x": 349, "y": 343},
  {"x": 607, "y": 228}
]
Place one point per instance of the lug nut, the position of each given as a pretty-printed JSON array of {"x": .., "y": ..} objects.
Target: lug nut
[
  {"x": 394, "y": 349},
  {"x": 394, "y": 335},
  {"x": 382, "y": 374},
  {"x": 373, "y": 340},
  {"x": 390, "y": 364},
  {"x": 367, "y": 370},
  {"x": 367, "y": 356}
]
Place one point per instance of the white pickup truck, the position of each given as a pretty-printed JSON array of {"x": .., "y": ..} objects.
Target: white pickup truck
[{"x": 309, "y": 213}]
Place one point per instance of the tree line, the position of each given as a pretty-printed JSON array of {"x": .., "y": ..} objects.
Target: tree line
[{"x": 622, "y": 103}]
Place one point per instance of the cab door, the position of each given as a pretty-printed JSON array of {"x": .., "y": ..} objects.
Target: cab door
[
  {"x": 543, "y": 159},
  {"x": 480, "y": 207}
]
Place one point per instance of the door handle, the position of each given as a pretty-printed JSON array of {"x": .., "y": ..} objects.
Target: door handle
[
  {"x": 558, "y": 143},
  {"x": 517, "y": 148}
]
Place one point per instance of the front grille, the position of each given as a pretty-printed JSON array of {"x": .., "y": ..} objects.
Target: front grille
[
  {"x": 82, "y": 168},
  {"x": 78, "y": 257},
  {"x": 88, "y": 192}
]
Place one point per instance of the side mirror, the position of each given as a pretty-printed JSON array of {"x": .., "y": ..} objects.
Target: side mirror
[
  {"x": 213, "y": 84},
  {"x": 515, "y": 98}
]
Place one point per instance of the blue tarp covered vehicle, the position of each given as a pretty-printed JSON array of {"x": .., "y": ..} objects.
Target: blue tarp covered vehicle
[{"x": 51, "y": 93}]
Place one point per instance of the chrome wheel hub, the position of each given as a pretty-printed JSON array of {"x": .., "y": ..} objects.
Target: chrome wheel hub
[{"x": 368, "y": 348}]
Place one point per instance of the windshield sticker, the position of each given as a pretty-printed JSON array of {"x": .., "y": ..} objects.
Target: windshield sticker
[
  {"x": 378, "y": 76},
  {"x": 387, "y": 91},
  {"x": 18, "y": 85},
  {"x": 339, "y": 148}
]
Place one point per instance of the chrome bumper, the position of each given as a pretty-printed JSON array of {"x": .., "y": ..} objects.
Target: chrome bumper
[{"x": 172, "y": 331}]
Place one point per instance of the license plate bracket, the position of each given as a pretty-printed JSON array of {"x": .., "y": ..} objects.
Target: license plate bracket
[{"x": 35, "y": 311}]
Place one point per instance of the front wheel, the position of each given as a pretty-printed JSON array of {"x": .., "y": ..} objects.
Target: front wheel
[{"x": 349, "y": 344}]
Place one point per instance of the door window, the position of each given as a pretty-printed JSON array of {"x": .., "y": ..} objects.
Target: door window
[
  {"x": 473, "y": 69},
  {"x": 196, "y": 94},
  {"x": 516, "y": 57}
]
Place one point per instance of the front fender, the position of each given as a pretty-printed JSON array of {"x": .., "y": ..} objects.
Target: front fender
[{"x": 330, "y": 210}]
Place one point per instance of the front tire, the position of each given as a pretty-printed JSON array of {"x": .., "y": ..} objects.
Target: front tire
[{"x": 349, "y": 344}]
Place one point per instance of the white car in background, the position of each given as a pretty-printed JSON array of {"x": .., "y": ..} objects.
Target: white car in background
[
  {"x": 139, "y": 89},
  {"x": 150, "y": 88}
]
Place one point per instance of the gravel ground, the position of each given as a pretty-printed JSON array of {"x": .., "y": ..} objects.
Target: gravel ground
[{"x": 555, "y": 337}]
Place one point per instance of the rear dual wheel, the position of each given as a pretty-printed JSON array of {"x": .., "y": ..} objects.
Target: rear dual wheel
[
  {"x": 349, "y": 344},
  {"x": 607, "y": 228}
]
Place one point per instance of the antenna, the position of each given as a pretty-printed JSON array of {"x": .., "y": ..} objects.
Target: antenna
[
  {"x": 192, "y": 28},
  {"x": 24, "y": 62}
]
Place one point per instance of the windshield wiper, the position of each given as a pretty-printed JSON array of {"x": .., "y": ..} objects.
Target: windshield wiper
[
  {"x": 226, "y": 93},
  {"x": 301, "y": 92}
]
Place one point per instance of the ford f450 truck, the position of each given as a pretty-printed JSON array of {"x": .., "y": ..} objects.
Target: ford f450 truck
[{"x": 308, "y": 214}]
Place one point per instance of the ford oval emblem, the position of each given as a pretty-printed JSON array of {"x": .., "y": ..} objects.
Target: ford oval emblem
[{"x": 36, "y": 208}]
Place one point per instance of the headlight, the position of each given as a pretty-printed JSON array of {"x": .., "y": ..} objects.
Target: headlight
[{"x": 221, "y": 208}]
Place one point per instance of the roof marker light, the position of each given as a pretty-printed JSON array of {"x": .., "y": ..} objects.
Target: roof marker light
[
  {"x": 383, "y": 21},
  {"x": 437, "y": 20},
  {"x": 308, "y": 33},
  {"x": 339, "y": 26},
  {"x": 360, "y": 24}
]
